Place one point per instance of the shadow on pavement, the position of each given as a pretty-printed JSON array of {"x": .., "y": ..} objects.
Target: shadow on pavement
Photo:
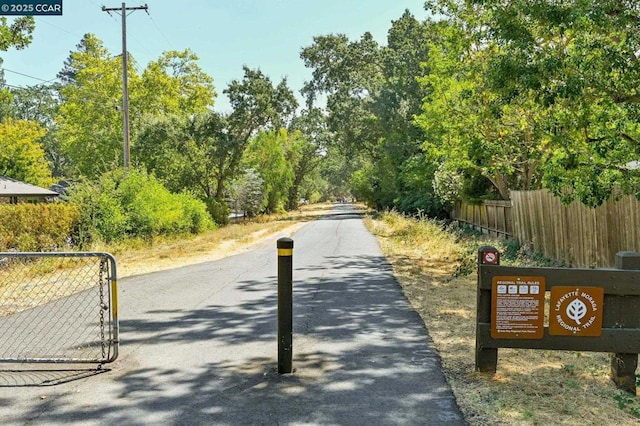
[
  {"x": 366, "y": 359},
  {"x": 28, "y": 377}
]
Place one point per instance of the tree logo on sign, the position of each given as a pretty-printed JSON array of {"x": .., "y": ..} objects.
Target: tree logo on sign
[{"x": 576, "y": 310}]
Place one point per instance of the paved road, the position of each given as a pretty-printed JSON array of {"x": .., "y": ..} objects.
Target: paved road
[{"x": 199, "y": 347}]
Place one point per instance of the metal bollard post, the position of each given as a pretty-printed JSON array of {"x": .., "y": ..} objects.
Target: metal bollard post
[{"x": 285, "y": 305}]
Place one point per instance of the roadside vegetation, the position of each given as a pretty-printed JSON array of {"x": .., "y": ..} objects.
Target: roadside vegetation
[
  {"x": 138, "y": 256},
  {"x": 435, "y": 264},
  {"x": 479, "y": 99}
]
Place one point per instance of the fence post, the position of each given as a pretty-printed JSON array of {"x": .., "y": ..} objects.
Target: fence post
[
  {"x": 285, "y": 305},
  {"x": 486, "y": 358},
  {"x": 623, "y": 366}
]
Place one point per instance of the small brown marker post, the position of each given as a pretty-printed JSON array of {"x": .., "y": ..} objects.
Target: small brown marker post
[{"x": 486, "y": 358}]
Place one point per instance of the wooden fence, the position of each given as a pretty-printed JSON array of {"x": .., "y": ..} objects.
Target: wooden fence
[
  {"x": 582, "y": 236},
  {"x": 491, "y": 217}
]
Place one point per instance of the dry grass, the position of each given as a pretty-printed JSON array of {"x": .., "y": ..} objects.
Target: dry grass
[
  {"x": 531, "y": 387},
  {"x": 23, "y": 286},
  {"x": 140, "y": 257}
]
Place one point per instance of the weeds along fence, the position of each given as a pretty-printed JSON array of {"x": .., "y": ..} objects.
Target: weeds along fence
[{"x": 579, "y": 235}]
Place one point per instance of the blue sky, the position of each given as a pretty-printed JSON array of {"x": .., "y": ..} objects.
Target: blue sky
[{"x": 225, "y": 34}]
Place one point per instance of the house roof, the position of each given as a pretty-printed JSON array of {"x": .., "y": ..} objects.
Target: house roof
[{"x": 14, "y": 188}]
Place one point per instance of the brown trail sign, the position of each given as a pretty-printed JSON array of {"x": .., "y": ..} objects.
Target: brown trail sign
[{"x": 593, "y": 310}]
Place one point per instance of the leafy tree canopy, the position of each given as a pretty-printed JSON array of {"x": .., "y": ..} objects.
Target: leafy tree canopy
[
  {"x": 17, "y": 34},
  {"x": 90, "y": 118},
  {"x": 22, "y": 156},
  {"x": 554, "y": 82}
]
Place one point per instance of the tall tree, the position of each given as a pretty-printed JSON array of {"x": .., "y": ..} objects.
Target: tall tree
[
  {"x": 90, "y": 117},
  {"x": 175, "y": 84},
  {"x": 73, "y": 64},
  {"x": 372, "y": 98},
  {"x": 306, "y": 149},
  {"x": 17, "y": 33},
  {"x": 574, "y": 65},
  {"x": 41, "y": 103},
  {"x": 90, "y": 123},
  {"x": 349, "y": 75},
  {"x": 469, "y": 127},
  {"x": 22, "y": 156},
  {"x": 266, "y": 154},
  {"x": 203, "y": 152},
  {"x": 257, "y": 105}
]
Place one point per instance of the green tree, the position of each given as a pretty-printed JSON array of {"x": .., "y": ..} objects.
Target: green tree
[
  {"x": 348, "y": 74},
  {"x": 204, "y": 152},
  {"x": 17, "y": 34},
  {"x": 188, "y": 153},
  {"x": 72, "y": 64},
  {"x": 310, "y": 138},
  {"x": 571, "y": 68},
  {"x": 468, "y": 127},
  {"x": 175, "y": 84},
  {"x": 22, "y": 156},
  {"x": 266, "y": 154},
  {"x": 90, "y": 120},
  {"x": 41, "y": 103},
  {"x": 372, "y": 98}
]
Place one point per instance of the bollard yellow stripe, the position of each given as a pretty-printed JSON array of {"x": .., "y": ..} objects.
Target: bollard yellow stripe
[{"x": 285, "y": 252}]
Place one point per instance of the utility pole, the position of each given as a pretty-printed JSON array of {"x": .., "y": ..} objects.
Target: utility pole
[{"x": 125, "y": 78}]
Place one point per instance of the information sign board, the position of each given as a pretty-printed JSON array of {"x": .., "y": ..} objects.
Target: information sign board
[{"x": 517, "y": 307}]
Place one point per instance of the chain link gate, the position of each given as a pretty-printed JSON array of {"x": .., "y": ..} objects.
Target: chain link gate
[{"x": 58, "y": 307}]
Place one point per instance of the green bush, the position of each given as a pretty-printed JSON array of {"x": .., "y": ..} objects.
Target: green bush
[
  {"x": 102, "y": 217},
  {"x": 219, "y": 210},
  {"x": 37, "y": 227},
  {"x": 135, "y": 204},
  {"x": 195, "y": 213}
]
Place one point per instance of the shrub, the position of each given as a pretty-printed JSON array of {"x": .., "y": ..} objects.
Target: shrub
[
  {"x": 102, "y": 217},
  {"x": 219, "y": 210},
  {"x": 37, "y": 227},
  {"x": 135, "y": 205}
]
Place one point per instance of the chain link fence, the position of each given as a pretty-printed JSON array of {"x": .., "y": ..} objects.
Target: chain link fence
[{"x": 58, "y": 307}]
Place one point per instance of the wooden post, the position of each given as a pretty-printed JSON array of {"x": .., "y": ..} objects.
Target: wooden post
[
  {"x": 623, "y": 365},
  {"x": 486, "y": 358}
]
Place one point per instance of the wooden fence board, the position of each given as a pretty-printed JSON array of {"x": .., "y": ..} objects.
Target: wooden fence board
[{"x": 574, "y": 233}]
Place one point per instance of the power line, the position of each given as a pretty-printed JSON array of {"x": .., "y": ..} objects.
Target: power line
[
  {"x": 48, "y": 22},
  {"x": 160, "y": 31},
  {"x": 29, "y": 76}
]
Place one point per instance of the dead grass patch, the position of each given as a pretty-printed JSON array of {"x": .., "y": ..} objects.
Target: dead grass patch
[
  {"x": 44, "y": 280},
  {"x": 139, "y": 257},
  {"x": 531, "y": 387}
]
